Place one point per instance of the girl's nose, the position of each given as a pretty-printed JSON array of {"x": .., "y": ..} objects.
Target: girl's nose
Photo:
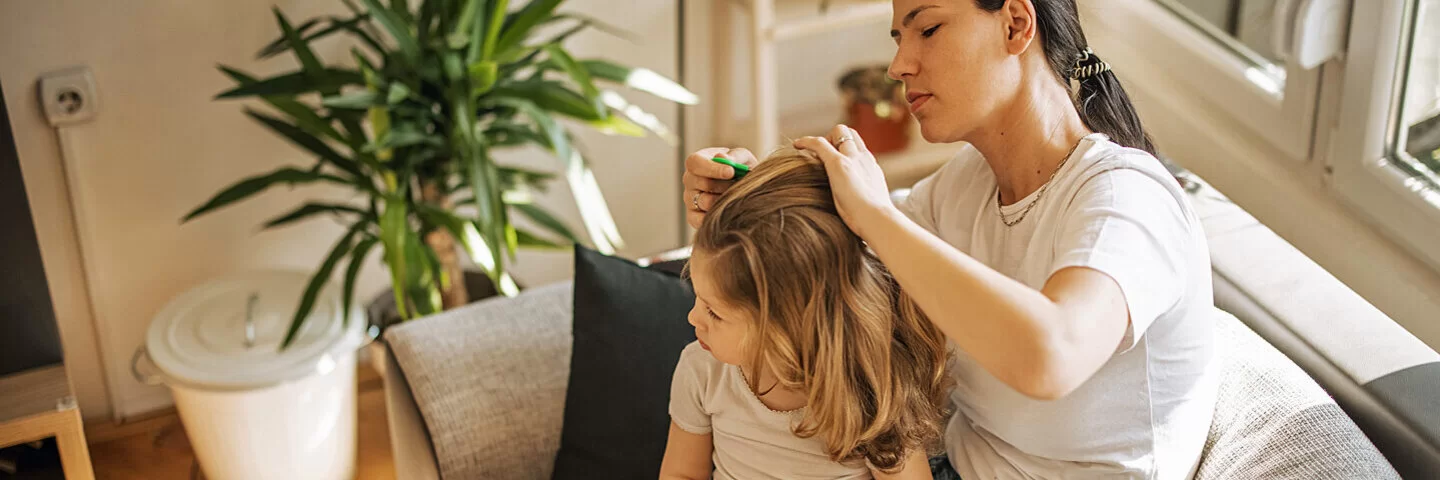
[{"x": 694, "y": 318}]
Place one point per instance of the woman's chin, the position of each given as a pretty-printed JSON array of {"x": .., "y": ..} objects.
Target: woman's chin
[
  {"x": 931, "y": 132},
  {"x": 934, "y": 131}
]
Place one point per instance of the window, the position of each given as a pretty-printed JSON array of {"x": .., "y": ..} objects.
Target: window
[
  {"x": 1250, "y": 59},
  {"x": 1245, "y": 28},
  {"x": 1386, "y": 154},
  {"x": 1418, "y": 133}
]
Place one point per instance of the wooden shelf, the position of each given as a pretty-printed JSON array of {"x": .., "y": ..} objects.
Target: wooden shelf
[
  {"x": 36, "y": 404},
  {"x": 771, "y": 21},
  {"x": 799, "y": 19},
  {"x": 902, "y": 168},
  {"x": 34, "y": 391}
]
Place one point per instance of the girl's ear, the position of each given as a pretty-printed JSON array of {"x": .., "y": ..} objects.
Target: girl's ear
[{"x": 1020, "y": 25}]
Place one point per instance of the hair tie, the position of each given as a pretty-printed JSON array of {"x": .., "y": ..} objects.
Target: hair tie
[{"x": 1088, "y": 64}]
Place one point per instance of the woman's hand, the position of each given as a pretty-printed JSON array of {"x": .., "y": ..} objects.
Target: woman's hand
[
  {"x": 856, "y": 180},
  {"x": 705, "y": 180}
]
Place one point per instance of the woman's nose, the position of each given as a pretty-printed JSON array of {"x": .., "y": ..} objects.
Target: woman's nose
[{"x": 902, "y": 66}]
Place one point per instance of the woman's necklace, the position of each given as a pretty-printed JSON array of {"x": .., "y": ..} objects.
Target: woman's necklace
[{"x": 1038, "y": 195}]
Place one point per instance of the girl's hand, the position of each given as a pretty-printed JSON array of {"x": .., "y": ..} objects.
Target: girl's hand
[
  {"x": 856, "y": 180},
  {"x": 705, "y": 180}
]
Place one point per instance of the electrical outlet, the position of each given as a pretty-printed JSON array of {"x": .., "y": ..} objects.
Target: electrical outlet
[{"x": 68, "y": 96}]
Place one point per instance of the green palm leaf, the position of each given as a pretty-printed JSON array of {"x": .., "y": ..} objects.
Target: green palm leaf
[
  {"x": 318, "y": 282},
  {"x": 311, "y": 209},
  {"x": 256, "y": 184},
  {"x": 295, "y": 83}
]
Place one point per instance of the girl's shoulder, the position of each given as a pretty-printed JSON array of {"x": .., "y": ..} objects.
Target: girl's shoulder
[{"x": 698, "y": 368}]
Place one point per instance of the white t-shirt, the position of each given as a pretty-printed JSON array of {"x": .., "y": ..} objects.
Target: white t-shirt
[
  {"x": 750, "y": 440},
  {"x": 1146, "y": 412}
]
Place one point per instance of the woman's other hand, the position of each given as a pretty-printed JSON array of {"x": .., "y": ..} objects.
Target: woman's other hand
[{"x": 705, "y": 179}]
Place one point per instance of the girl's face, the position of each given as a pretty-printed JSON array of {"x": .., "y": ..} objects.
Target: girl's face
[
  {"x": 720, "y": 326},
  {"x": 956, "y": 62}
]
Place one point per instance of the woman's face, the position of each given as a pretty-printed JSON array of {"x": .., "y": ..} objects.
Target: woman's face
[
  {"x": 955, "y": 61},
  {"x": 720, "y": 326}
]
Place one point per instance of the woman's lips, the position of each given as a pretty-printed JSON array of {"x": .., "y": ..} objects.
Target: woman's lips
[{"x": 918, "y": 101}]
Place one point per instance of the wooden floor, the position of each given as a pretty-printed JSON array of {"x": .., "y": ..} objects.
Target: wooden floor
[{"x": 157, "y": 449}]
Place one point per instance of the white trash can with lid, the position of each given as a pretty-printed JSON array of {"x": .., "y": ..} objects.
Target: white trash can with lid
[{"x": 251, "y": 410}]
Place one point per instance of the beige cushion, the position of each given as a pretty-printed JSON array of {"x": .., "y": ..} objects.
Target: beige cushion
[{"x": 489, "y": 380}]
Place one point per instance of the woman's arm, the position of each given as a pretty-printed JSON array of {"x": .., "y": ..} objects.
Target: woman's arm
[
  {"x": 1044, "y": 344},
  {"x": 917, "y": 467},
  {"x": 687, "y": 456}
]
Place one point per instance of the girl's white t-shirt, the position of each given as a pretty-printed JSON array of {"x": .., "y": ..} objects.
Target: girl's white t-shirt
[
  {"x": 750, "y": 441},
  {"x": 1146, "y": 412}
]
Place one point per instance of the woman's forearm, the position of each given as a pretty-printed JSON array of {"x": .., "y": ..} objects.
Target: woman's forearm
[{"x": 1004, "y": 325}]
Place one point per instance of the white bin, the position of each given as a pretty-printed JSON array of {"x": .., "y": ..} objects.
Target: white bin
[{"x": 251, "y": 410}]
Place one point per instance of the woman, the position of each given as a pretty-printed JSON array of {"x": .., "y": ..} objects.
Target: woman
[{"x": 1058, "y": 256}]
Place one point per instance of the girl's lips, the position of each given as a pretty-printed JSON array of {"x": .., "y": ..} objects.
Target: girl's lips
[
  {"x": 918, "y": 102},
  {"x": 703, "y": 345}
]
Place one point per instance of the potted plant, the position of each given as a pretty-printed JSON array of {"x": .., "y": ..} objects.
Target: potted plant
[
  {"x": 412, "y": 124},
  {"x": 875, "y": 107}
]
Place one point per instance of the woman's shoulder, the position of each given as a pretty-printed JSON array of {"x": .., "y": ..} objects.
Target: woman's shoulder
[{"x": 1107, "y": 156}]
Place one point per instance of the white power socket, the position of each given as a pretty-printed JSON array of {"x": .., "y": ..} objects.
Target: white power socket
[{"x": 68, "y": 96}]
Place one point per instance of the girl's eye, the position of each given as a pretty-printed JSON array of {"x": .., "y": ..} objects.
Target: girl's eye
[
  {"x": 929, "y": 31},
  {"x": 712, "y": 314}
]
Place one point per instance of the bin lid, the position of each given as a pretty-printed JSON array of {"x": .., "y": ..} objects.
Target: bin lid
[{"x": 201, "y": 338}]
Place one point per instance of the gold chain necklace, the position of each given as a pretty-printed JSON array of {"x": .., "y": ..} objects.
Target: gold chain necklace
[{"x": 1038, "y": 195}]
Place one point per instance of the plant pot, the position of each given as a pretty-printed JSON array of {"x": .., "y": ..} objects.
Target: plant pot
[
  {"x": 881, "y": 134},
  {"x": 875, "y": 107},
  {"x": 382, "y": 313}
]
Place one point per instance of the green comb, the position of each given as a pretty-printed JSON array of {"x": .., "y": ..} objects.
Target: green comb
[{"x": 740, "y": 168}]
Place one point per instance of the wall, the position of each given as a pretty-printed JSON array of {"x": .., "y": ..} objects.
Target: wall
[{"x": 160, "y": 146}]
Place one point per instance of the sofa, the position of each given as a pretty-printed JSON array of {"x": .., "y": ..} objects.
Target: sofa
[{"x": 479, "y": 392}]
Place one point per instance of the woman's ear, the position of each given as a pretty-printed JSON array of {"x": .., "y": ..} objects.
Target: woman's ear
[{"x": 1020, "y": 26}]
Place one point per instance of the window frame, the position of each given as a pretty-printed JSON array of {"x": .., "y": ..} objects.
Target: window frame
[
  {"x": 1364, "y": 149},
  {"x": 1213, "y": 69}
]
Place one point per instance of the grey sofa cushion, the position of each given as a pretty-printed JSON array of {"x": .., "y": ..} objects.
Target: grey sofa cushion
[
  {"x": 489, "y": 380},
  {"x": 1273, "y": 422}
]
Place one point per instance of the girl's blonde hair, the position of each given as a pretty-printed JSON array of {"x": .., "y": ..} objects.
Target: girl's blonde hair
[{"x": 829, "y": 318}]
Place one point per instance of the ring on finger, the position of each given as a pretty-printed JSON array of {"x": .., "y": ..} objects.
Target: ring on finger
[
  {"x": 695, "y": 200},
  {"x": 843, "y": 139}
]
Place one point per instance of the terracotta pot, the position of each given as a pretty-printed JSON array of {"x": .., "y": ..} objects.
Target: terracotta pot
[
  {"x": 875, "y": 107},
  {"x": 881, "y": 134}
]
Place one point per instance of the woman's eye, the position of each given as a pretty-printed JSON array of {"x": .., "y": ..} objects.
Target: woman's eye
[{"x": 929, "y": 31}]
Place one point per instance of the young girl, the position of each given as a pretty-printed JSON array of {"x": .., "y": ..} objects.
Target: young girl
[{"x": 810, "y": 362}]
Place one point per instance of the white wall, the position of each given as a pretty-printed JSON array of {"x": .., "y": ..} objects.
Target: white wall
[{"x": 160, "y": 146}]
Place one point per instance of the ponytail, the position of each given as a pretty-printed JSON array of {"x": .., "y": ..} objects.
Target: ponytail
[
  {"x": 1099, "y": 98},
  {"x": 1103, "y": 104}
]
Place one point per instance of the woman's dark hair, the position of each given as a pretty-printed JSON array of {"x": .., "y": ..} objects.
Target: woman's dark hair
[{"x": 1101, "y": 101}]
